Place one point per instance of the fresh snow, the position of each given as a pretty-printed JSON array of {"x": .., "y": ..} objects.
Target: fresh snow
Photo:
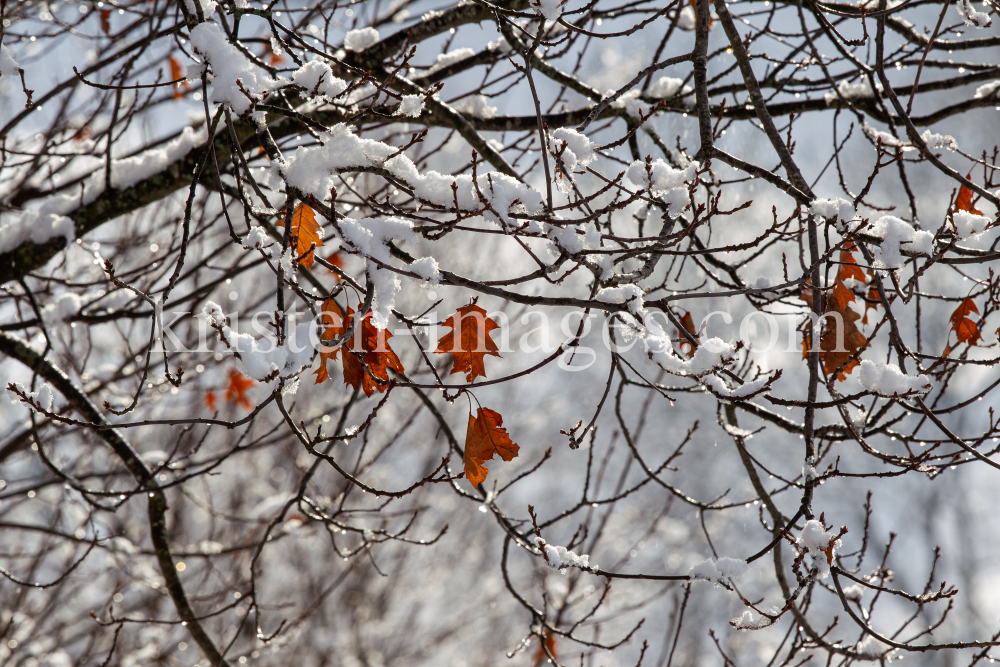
[
  {"x": 8, "y": 66},
  {"x": 477, "y": 106},
  {"x": 841, "y": 209},
  {"x": 410, "y": 105},
  {"x": 667, "y": 86},
  {"x": 894, "y": 233},
  {"x": 987, "y": 89},
  {"x": 265, "y": 360},
  {"x": 887, "y": 380},
  {"x": 560, "y": 557},
  {"x": 579, "y": 151},
  {"x": 550, "y": 9},
  {"x": 361, "y": 39},
  {"x": 720, "y": 571},
  {"x": 317, "y": 77},
  {"x": 450, "y": 58},
  {"x": 815, "y": 541},
  {"x": 229, "y": 66},
  {"x": 971, "y": 16},
  {"x": 969, "y": 225}
]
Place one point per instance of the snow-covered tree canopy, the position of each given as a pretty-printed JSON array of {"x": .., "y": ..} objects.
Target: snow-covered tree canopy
[{"x": 404, "y": 333}]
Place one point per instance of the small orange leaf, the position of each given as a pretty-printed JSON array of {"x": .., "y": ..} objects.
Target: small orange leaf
[
  {"x": 688, "y": 323},
  {"x": 472, "y": 343},
  {"x": 550, "y": 644},
  {"x": 484, "y": 438},
  {"x": 337, "y": 259},
  {"x": 694, "y": 6},
  {"x": 272, "y": 57},
  {"x": 177, "y": 73},
  {"x": 237, "y": 387},
  {"x": 210, "y": 401},
  {"x": 963, "y": 202},
  {"x": 964, "y": 327},
  {"x": 366, "y": 355},
  {"x": 106, "y": 21},
  {"x": 332, "y": 326},
  {"x": 307, "y": 233}
]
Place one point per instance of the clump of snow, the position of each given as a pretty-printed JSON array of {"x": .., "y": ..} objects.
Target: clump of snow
[
  {"x": 969, "y": 225},
  {"x": 746, "y": 620},
  {"x": 987, "y": 89},
  {"x": 550, "y": 9},
  {"x": 661, "y": 176},
  {"x": 207, "y": 7},
  {"x": 368, "y": 236},
  {"x": 312, "y": 170},
  {"x": 579, "y": 149},
  {"x": 886, "y": 138},
  {"x": 887, "y": 380},
  {"x": 258, "y": 239},
  {"x": 631, "y": 295},
  {"x": 264, "y": 361},
  {"x": 360, "y": 39},
  {"x": 850, "y": 91},
  {"x": 841, "y": 209},
  {"x": 631, "y": 102},
  {"x": 711, "y": 356},
  {"x": 667, "y": 86},
  {"x": 37, "y": 227},
  {"x": 410, "y": 105},
  {"x": 42, "y": 397},
  {"x": 450, "y": 58},
  {"x": 971, "y": 16},
  {"x": 560, "y": 557},
  {"x": 232, "y": 69},
  {"x": 477, "y": 106},
  {"x": 686, "y": 19},
  {"x": 744, "y": 391},
  {"x": 8, "y": 66},
  {"x": 873, "y": 649},
  {"x": 819, "y": 544},
  {"x": 894, "y": 233},
  {"x": 65, "y": 306},
  {"x": 854, "y": 592},
  {"x": 317, "y": 78},
  {"x": 935, "y": 141},
  {"x": 720, "y": 571}
]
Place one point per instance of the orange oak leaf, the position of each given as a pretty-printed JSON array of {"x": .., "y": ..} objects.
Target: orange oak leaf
[
  {"x": 550, "y": 645},
  {"x": 472, "y": 343},
  {"x": 236, "y": 389},
  {"x": 688, "y": 323},
  {"x": 840, "y": 338},
  {"x": 176, "y": 73},
  {"x": 964, "y": 327},
  {"x": 272, "y": 57},
  {"x": 332, "y": 326},
  {"x": 307, "y": 233},
  {"x": 211, "y": 402},
  {"x": 694, "y": 6},
  {"x": 337, "y": 260},
  {"x": 366, "y": 355},
  {"x": 963, "y": 202},
  {"x": 485, "y": 437}
]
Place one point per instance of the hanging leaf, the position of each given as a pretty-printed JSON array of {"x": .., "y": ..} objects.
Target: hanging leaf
[
  {"x": 336, "y": 259},
  {"x": 472, "y": 343},
  {"x": 966, "y": 330},
  {"x": 236, "y": 389},
  {"x": 211, "y": 402},
  {"x": 307, "y": 234},
  {"x": 484, "y": 438},
  {"x": 177, "y": 73},
  {"x": 106, "y": 21},
  {"x": 694, "y": 6},
  {"x": 332, "y": 326},
  {"x": 688, "y": 323},
  {"x": 839, "y": 356},
  {"x": 963, "y": 202},
  {"x": 549, "y": 644}
]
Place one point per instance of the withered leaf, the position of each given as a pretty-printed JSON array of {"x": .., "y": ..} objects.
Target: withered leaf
[
  {"x": 472, "y": 343},
  {"x": 484, "y": 438}
]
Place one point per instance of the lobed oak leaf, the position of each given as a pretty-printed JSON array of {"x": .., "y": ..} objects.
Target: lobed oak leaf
[
  {"x": 484, "y": 438},
  {"x": 366, "y": 356},
  {"x": 966, "y": 330},
  {"x": 306, "y": 232},
  {"x": 237, "y": 387},
  {"x": 472, "y": 342},
  {"x": 963, "y": 202}
]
